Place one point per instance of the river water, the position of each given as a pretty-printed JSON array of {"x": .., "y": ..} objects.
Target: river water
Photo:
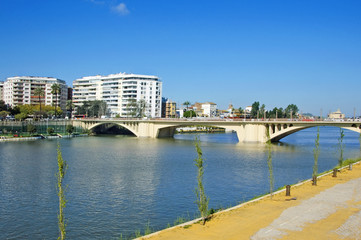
[{"x": 119, "y": 184}]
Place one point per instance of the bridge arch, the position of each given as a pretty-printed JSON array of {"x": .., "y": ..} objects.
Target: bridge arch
[
  {"x": 276, "y": 136},
  {"x": 129, "y": 127},
  {"x": 168, "y": 131}
]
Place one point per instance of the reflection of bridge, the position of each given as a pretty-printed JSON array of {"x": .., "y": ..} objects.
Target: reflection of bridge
[{"x": 247, "y": 131}]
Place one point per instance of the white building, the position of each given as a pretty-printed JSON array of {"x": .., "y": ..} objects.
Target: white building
[
  {"x": 209, "y": 109},
  {"x": 21, "y": 91},
  {"x": 118, "y": 90}
]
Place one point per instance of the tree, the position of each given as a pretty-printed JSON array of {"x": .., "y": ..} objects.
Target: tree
[
  {"x": 50, "y": 130},
  {"x": 255, "y": 109},
  {"x": 94, "y": 108},
  {"x": 56, "y": 90},
  {"x": 3, "y": 114},
  {"x": 316, "y": 153},
  {"x": 3, "y": 106},
  {"x": 21, "y": 116},
  {"x": 269, "y": 162},
  {"x": 341, "y": 147},
  {"x": 136, "y": 108},
  {"x": 62, "y": 167},
  {"x": 291, "y": 111},
  {"x": 70, "y": 106},
  {"x": 69, "y": 129},
  {"x": 31, "y": 128},
  {"x": 202, "y": 199},
  {"x": 187, "y": 103},
  {"x": 39, "y": 91},
  {"x": 262, "y": 110},
  {"x": 190, "y": 113}
]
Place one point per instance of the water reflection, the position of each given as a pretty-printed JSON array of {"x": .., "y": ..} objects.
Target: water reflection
[{"x": 116, "y": 184}]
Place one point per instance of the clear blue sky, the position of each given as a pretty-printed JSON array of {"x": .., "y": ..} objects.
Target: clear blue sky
[{"x": 276, "y": 52}]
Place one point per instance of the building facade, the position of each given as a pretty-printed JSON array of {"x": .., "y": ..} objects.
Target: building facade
[
  {"x": 120, "y": 91},
  {"x": 207, "y": 109},
  {"x": 21, "y": 91},
  {"x": 336, "y": 115},
  {"x": 169, "y": 109}
]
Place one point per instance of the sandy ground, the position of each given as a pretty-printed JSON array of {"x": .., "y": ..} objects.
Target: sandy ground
[{"x": 330, "y": 210}]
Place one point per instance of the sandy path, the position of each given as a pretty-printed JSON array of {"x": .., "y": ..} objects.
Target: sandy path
[{"x": 331, "y": 210}]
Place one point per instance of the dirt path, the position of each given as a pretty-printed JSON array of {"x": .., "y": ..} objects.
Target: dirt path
[{"x": 331, "y": 210}]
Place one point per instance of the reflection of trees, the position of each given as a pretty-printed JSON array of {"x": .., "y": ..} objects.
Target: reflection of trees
[{"x": 94, "y": 108}]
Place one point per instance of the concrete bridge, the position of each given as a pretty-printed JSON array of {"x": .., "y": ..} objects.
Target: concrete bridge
[{"x": 247, "y": 131}]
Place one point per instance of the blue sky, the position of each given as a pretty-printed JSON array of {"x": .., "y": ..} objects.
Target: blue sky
[{"x": 276, "y": 52}]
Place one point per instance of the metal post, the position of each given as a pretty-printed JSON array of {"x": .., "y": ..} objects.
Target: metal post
[{"x": 288, "y": 190}]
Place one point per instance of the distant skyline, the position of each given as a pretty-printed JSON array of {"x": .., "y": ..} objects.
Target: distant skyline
[{"x": 276, "y": 52}]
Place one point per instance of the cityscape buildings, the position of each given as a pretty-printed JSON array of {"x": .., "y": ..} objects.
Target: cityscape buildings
[
  {"x": 121, "y": 92},
  {"x": 21, "y": 91}
]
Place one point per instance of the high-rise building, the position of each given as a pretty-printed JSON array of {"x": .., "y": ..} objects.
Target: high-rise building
[
  {"x": 21, "y": 91},
  {"x": 120, "y": 91}
]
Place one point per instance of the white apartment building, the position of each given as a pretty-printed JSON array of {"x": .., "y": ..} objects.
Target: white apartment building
[
  {"x": 209, "y": 109},
  {"x": 21, "y": 91},
  {"x": 118, "y": 90}
]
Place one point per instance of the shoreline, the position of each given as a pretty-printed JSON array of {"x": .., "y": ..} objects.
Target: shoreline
[
  {"x": 20, "y": 139},
  {"x": 193, "y": 230}
]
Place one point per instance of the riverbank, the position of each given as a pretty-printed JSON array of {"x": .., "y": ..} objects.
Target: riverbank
[
  {"x": 330, "y": 210},
  {"x": 17, "y": 139}
]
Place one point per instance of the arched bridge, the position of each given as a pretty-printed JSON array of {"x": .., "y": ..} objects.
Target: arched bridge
[{"x": 247, "y": 131}]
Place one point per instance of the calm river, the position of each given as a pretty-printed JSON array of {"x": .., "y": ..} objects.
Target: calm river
[{"x": 117, "y": 184}]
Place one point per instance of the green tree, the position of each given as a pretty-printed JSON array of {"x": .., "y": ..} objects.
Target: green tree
[
  {"x": 3, "y": 114},
  {"x": 31, "y": 128},
  {"x": 187, "y": 103},
  {"x": 262, "y": 110},
  {"x": 70, "y": 107},
  {"x": 189, "y": 114},
  {"x": 69, "y": 129},
  {"x": 136, "y": 108},
  {"x": 255, "y": 109},
  {"x": 62, "y": 167},
  {"x": 316, "y": 153},
  {"x": 94, "y": 108},
  {"x": 3, "y": 106},
  {"x": 56, "y": 90},
  {"x": 291, "y": 110},
  {"x": 202, "y": 199},
  {"x": 39, "y": 91},
  {"x": 50, "y": 130},
  {"x": 21, "y": 116}
]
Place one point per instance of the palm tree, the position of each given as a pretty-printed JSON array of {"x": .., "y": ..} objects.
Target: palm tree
[
  {"x": 70, "y": 106},
  {"x": 55, "y": 90},
  {"x": 39, "y": 91},
  {"x": 187, "y": 103}
]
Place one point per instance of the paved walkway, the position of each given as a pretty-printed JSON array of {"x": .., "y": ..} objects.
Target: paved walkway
[
  {"x": 330, "y": 210},
  {"x": 320, "y": 207}
]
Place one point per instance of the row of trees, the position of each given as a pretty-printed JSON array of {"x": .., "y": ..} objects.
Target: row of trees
[
  {"x": 94, "y": 108},
  {"x": 22, "y": 112},
  {"x": 260, "y": 111}
]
